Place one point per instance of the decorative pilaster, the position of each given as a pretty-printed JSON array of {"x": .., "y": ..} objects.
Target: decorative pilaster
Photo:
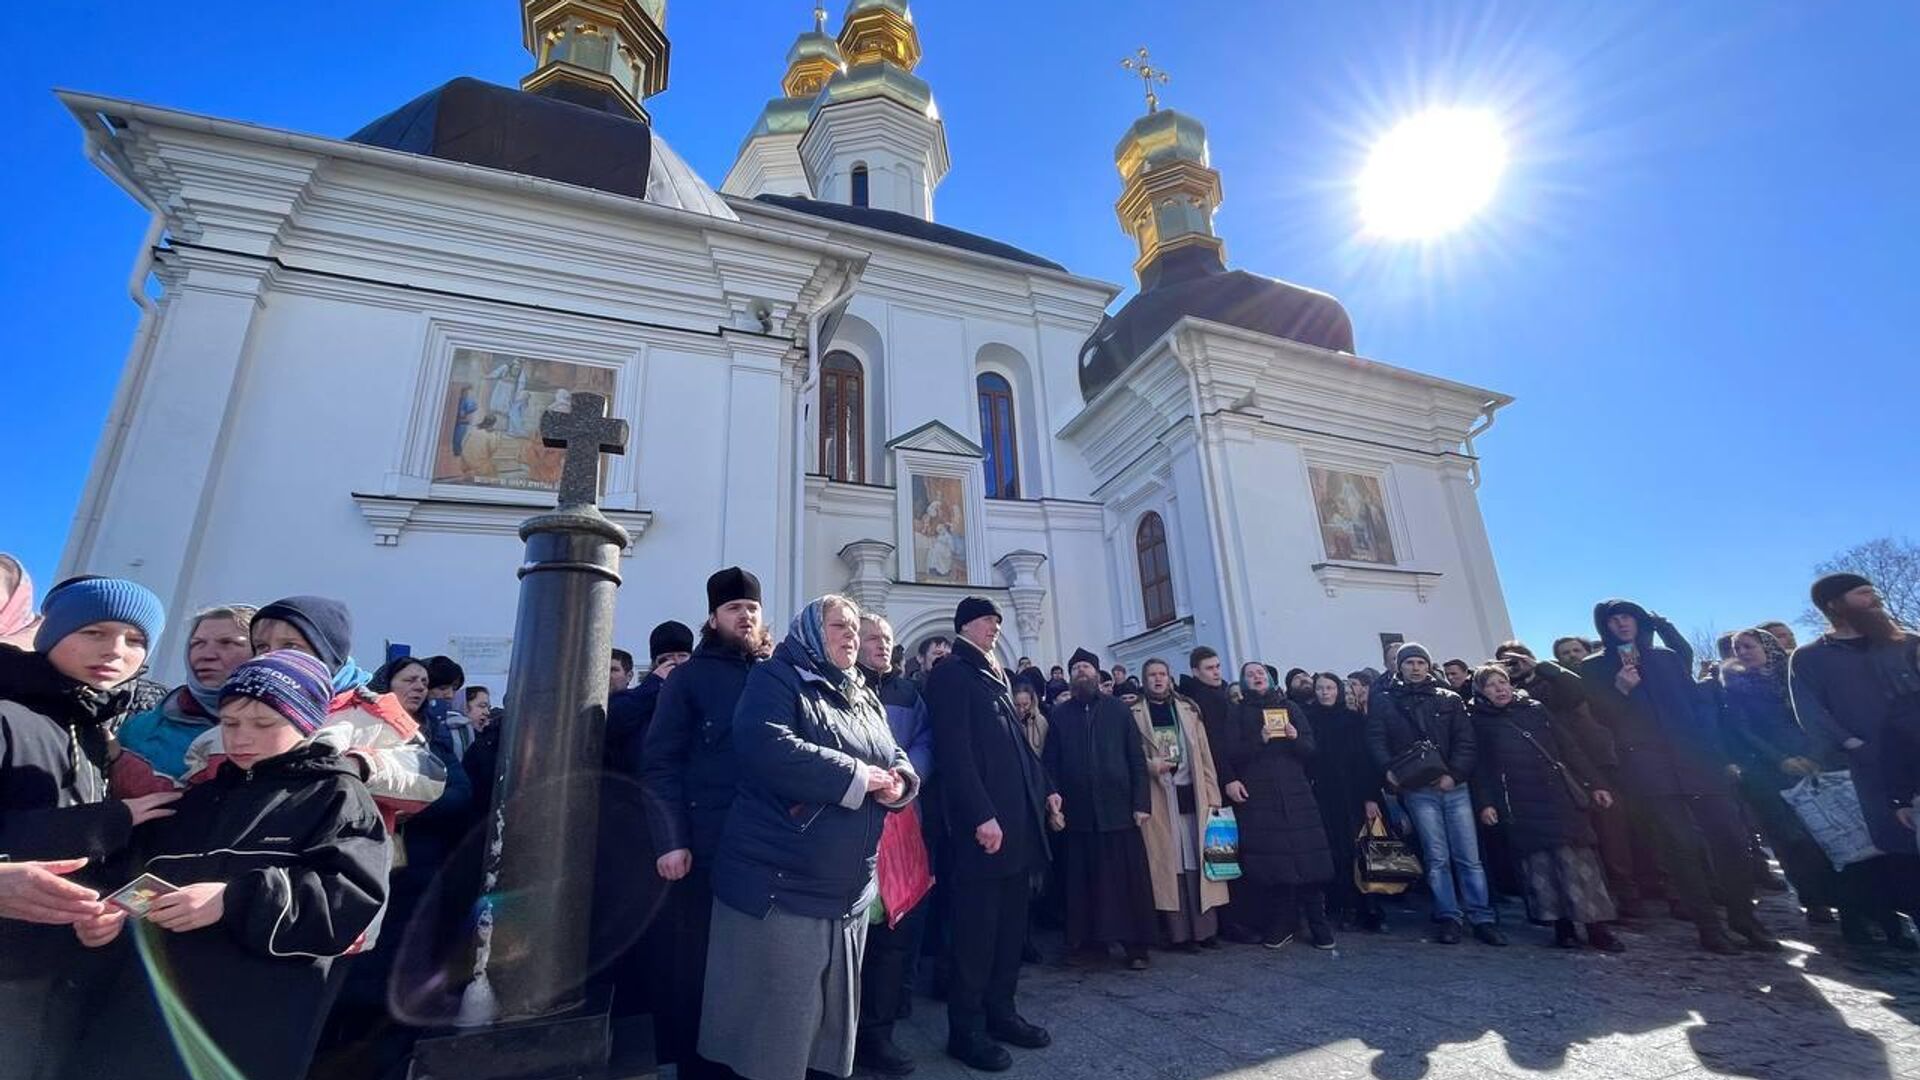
[
  {"x": 871, "y": 579},
  {"x": 1021, "y": 570}
]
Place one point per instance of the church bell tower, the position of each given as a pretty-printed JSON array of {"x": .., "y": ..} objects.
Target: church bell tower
[{"x": 874, "y": 135}]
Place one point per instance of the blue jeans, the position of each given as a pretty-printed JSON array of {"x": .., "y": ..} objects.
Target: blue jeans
[{"x": 1444, "y": 822}]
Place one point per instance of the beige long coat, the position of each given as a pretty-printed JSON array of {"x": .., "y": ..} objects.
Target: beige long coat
[{"x": 1163, "y": 847}]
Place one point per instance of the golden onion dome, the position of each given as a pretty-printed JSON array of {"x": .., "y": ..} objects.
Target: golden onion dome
[
  {"x": 898, "y": 7},
  {"x": 814, "y": 44},
  {"x": 1159, "y": 138},
  {"x": 782, "y": 116},
  {"x": 878, "y": 80},
  {"x": 814, "y": 58}
]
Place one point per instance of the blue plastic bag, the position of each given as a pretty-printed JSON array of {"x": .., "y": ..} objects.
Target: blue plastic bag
[{"x": 1220, "y": 860}]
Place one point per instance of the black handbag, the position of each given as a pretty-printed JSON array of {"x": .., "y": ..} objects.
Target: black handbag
[
  {"x": 1582, "y": 800},
  {"x": 1417, "y": 766}
]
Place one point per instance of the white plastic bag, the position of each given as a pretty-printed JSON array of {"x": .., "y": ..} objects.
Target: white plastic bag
[{"x": 1830, "y": 808}]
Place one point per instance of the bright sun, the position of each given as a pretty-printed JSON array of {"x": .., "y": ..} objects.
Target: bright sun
[{"x": 1432, "y": 173}]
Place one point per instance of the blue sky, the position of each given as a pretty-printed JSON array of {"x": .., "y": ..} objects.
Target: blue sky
[{"x": 1697, "y": 278}]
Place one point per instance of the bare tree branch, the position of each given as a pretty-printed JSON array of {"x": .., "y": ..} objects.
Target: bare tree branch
[{"x": 1893, "y": 565}]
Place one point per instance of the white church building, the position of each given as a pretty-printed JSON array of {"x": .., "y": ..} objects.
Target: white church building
[{"x": 336, "y": 386}]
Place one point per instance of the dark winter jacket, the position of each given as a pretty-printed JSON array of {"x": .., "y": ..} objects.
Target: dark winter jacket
[
  {"x": 626, "y": 887},
  {"x": 804, "y": 832},
  {"x": 1564, "y": 694},
  {"x": 988, "y": 770},
  {"x": 1216, "y": 714},
  {"x": 690, "y": 771},
  {"x": 906, "y": 716},
  {"x": 301, "y": 848},
  {"x": 1668, "y": 743},
  {"x": 431, "y": 835},
  {"x": 1282, "y": 838},
  {"x": 629, "y": 715},
  {"x": 1851, "y": 688},
  {"x": 53, "y": 795},
  {"x": 1518, "y": 781},
  {"x": 1401, "y": 713},
  {"x": 1760, "y": 730},
  {"x": 1344, "y": 779},
  {"x": 1096, "y": 760}
]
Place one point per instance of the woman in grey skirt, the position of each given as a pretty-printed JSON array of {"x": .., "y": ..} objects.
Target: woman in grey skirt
[
  {"x": 1538, "y": 780},
  {"x": 793, "y": 879}
]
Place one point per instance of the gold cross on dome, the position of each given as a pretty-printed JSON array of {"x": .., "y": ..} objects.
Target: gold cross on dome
[
  {"x": 820, "y": 17},
  {"x": 1142, "y": 66}
]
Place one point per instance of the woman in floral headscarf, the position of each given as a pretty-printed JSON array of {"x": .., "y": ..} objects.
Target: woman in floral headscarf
[
  {"x": 794, "y": 876},
  {"x": 17, "y": 620},
  {"x": 1774, "y": 753}
]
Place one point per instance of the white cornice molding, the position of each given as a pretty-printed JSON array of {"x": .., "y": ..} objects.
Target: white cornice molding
[{"x": 391, "y": 517}]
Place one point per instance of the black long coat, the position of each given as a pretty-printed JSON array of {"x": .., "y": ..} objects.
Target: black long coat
[
  {"x": 1095, "y": 757},
  {"x": 1516, "y": 779},
  {"x": 1282, "y": 839},
  {"x": 689, "y": 772},
  {"x": 1216, "y": 715},
  {"x": 986, "y": 767},
  {"x": 1342, "y": 772}
]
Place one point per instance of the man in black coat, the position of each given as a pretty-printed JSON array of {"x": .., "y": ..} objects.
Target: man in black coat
[
  {"x": 1095, "y": 757},
  {"x": 997, "y": 798},
  {"x": 626, "y": 891},
  {"x": 1673, "y": 766},
  {"x": 1856, "y": 691},
  {"x": 688, "y": 777}
]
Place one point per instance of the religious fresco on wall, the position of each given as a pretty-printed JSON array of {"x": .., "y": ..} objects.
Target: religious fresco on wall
[
  {"x": 939, "y": 530},
  {"x": 1353, "y": 516},
  {"x": 490, "y": 423}
]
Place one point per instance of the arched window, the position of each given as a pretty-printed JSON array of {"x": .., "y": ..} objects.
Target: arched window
[
  {"x": 1156, "y": 572},
  {"x": 860, "y": 185},
  {"x": 843, "y": 419},
  {"x": 996, "y": 434}
]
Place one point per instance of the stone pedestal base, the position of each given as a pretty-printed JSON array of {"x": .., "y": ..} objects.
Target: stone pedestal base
[{"x": 557, "y": 1048}]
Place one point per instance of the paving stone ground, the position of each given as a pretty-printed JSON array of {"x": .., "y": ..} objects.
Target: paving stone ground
[{"x": 1397, "y": 1007}]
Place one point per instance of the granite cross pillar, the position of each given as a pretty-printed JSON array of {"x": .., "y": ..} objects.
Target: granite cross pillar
[{"x": 526, "y": 1006}]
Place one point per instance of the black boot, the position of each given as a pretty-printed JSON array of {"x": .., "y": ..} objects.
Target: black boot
[
  {"x": 876, "y": 1051},
  {"x": 1319, "y": 928},
  {"x": 1715, "y": 940},
  {"x": 1758, "y": 939},
  {"x": 1599, "y": 937},
  {"x": 979, "y": 1052},
  {"x": 1563, "y": 934}
]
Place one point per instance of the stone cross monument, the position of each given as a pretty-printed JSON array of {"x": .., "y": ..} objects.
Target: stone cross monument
[{"x": 526, "y": 1007}]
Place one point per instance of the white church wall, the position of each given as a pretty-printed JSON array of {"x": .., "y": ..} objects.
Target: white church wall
[
  {"x": 1299, "y": 617},
  {"x": 933, "y": 370}
]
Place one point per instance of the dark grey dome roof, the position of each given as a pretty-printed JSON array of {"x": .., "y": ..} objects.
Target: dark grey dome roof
[{"x": 1193, "y": 281}]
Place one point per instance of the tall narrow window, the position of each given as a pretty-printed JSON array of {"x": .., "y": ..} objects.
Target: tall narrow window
[
  {"x": 996, "y": 434},
  {"x": 843, "y": 419},
  {"x": 1156, "y": 572},
  {"x": 860, "y": 185}
]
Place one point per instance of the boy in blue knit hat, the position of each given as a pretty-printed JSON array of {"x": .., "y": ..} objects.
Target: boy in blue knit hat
[
  {"x": 56, "y": 707},
  {"x": 272, "y": 870}
]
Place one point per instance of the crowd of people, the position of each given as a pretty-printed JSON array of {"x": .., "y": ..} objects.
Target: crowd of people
[{"x": 278, "y": 860}]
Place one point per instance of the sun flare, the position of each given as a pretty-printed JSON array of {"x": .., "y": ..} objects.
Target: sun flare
[{"x": 1432, "y": 173}]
